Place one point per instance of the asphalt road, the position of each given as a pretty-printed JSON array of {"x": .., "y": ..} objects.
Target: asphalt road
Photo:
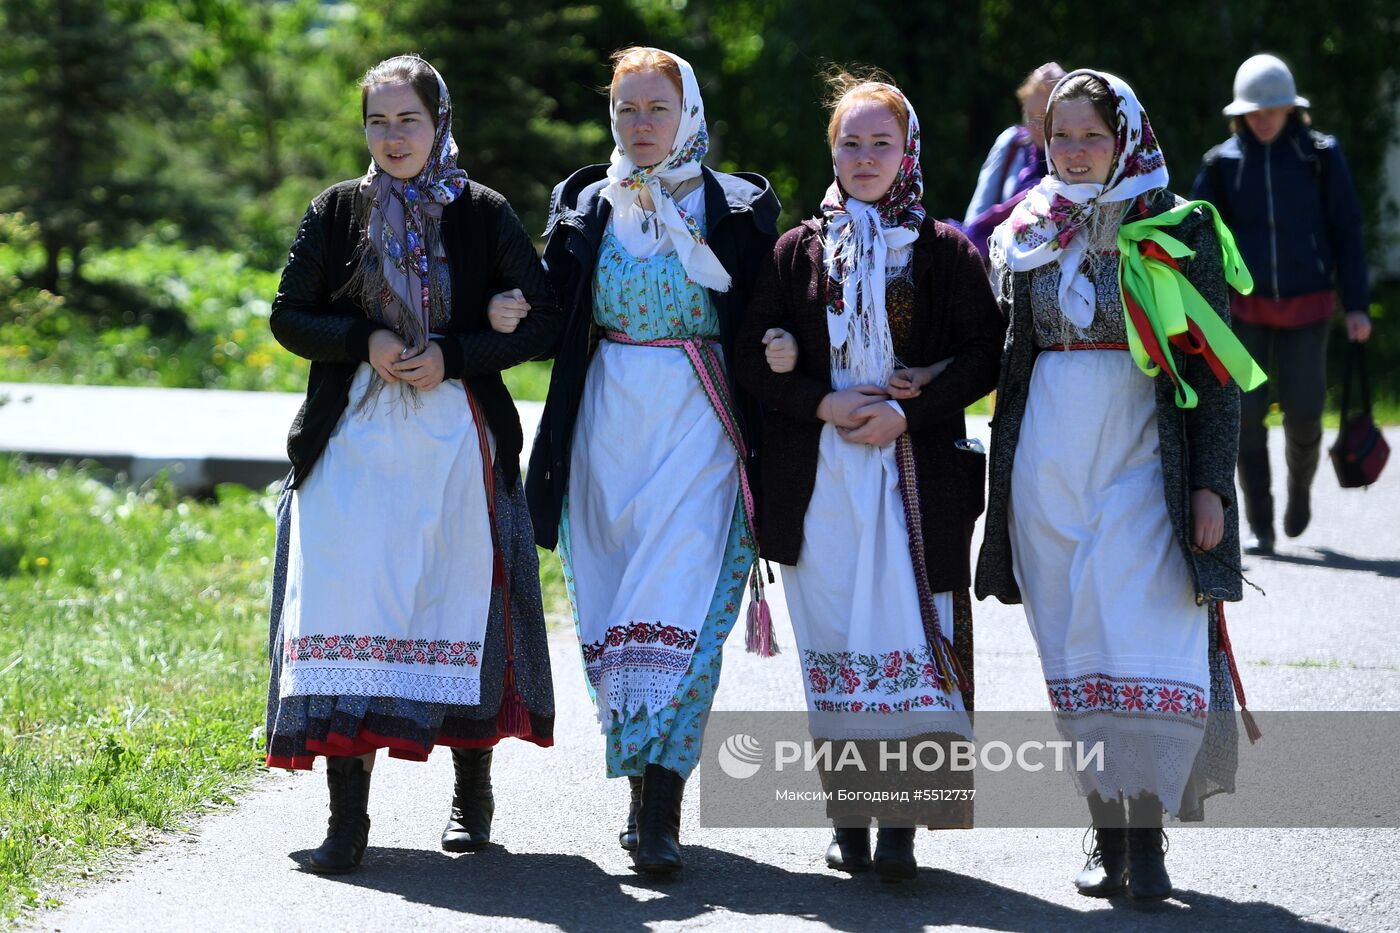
[{"x": 1323, "y": 639}]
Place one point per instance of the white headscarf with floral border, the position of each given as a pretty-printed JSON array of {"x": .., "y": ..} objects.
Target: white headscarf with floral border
[
  {"x": 626, "y": 181},
  {"x": 1044, "y": 226}
]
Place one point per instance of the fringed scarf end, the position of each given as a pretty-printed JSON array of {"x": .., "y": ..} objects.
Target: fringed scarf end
[{"x": 949, "y": 670}]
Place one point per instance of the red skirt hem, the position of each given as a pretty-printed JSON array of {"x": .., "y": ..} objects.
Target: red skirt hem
[
  {"x": 512, "y": 722},
  {"x": 337, "y": 745}
]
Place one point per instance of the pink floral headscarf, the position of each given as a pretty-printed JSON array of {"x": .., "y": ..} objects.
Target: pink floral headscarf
[
  {"x": 857, "y": 240},
  {"x": 1044, "y": 227}
]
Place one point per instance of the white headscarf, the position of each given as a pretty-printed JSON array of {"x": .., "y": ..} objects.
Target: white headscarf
[
  {"x": 626, "y": 181},
  {"x": 862, "y": 243},
  {"x": 1043, "y": 227}
]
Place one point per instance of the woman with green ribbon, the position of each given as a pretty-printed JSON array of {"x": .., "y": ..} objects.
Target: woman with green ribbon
[{"x": 1111, "y": 509}]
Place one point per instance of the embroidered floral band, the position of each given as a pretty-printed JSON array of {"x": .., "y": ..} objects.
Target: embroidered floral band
[
  {"x": 639, "y": 645},
  {"x": 382, "y": 648},
  {"x": 893, "y": 682},
  {"x": 1100, "y": 693}
]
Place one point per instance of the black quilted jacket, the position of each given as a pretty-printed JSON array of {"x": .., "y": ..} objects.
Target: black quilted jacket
[{"x": 488, "y": 252}]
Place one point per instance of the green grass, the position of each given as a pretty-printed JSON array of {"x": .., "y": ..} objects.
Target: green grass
[{"x": 133, "y": 635}]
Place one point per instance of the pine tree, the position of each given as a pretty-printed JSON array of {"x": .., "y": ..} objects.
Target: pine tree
[{"x": 70, "y": 71}]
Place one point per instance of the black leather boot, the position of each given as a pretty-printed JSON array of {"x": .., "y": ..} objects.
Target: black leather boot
[
  {"x": 347, "y": 830},
  {"x": 1106, "y": 871},
  {"x": 1258, "y": 501},
  {"x": 658, "y": 849},
  {"x": 628, "y": 837},
  {"x": 1147, "y": 867},
  {"x": 849, "y": 849},
  {"x": 473, "y": 804},
  {"x": 1302, "y": 446},
  {"x": 894, "y": 854}
]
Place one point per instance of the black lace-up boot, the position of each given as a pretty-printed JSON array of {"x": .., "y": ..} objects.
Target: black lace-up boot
[
  {"x": 894, "y": 854},
  {"x": 347, "y": 830},
  {"x": 628, "y": 837},
  {"x": 658, "y": 849},
  {"x": 473, "y": 804},
  {"x": 1147, "y": 850},
  {"x": 1106, "y": 871}
]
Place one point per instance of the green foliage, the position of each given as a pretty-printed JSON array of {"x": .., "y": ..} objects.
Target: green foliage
[
  {"x": 525, "y": 77},
  {"x": 150, "y": 314},
  {"x": 960, "y": 64},
  {"x": 72, "y": 72},
  {"x": 156, "y": 314}
]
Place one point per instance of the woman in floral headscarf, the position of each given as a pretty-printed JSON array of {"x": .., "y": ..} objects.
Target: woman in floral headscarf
[
  {"x": 870, "y": 493},
  {"x": 1120, "y": 383},
  {"x": 406, "y": 607},
  {"x": 640, "y": 469}
]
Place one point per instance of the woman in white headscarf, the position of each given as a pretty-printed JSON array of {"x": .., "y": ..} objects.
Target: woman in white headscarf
[
  {"x": 406, "y": 605},
  {"x": 1111, "y": 497},
  {"x": 870, "y": 495},
  {"x": 640, "y": 471}
]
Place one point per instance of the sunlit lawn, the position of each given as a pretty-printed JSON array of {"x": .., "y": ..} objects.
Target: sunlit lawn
[{"x": 133, "y": 638}]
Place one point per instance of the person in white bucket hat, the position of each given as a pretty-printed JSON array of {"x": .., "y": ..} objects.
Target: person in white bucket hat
[
  {"x": 1285, "y": 191},
  {"x": 1263, "y": 82}
]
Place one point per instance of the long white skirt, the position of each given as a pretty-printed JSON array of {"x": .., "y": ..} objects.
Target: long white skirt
[
  {"x": 652, "y": 486},
  {"x": 1107, "y": 590},
  {"x": 391, "y": 558},
  {"x": 865, "y": 656}
]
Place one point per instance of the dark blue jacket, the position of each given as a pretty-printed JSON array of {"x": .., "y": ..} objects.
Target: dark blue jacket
[
  {"x": 741, "y": 217},
  {"x": 1293, "y": 211}
]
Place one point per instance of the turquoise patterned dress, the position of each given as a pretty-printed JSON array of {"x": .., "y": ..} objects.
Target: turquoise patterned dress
[{"x": 650, "y": 299}]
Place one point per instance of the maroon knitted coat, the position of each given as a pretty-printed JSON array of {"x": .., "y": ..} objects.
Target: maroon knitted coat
[{"x": 954, "y": 315}]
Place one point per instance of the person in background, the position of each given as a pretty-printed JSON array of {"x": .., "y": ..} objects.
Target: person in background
[
  {"x": 1016, "y": 160},
  {"x": 1286, "y": 193}
]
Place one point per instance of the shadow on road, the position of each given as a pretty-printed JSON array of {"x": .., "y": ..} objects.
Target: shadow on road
[
  {"x": 576, "y": 894},
  {"x": 1326, "y": 557}
]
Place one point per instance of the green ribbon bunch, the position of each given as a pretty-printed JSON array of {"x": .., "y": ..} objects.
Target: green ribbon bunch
[{"x": 1171, "y": 304}]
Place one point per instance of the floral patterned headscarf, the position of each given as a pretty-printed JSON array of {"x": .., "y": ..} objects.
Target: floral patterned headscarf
[
  {"x": 403, "y": 232},
  {"x": 626, "y": 180},
  {"x": 858, "y": 242},
  {"x": 1044, "y": 227}
]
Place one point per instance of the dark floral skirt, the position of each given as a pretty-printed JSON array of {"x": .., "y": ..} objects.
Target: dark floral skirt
[{"x": 517, "y": 692}]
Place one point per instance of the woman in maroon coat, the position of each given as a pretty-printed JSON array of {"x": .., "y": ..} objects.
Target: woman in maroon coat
[{"x": 870, "y": 491}]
